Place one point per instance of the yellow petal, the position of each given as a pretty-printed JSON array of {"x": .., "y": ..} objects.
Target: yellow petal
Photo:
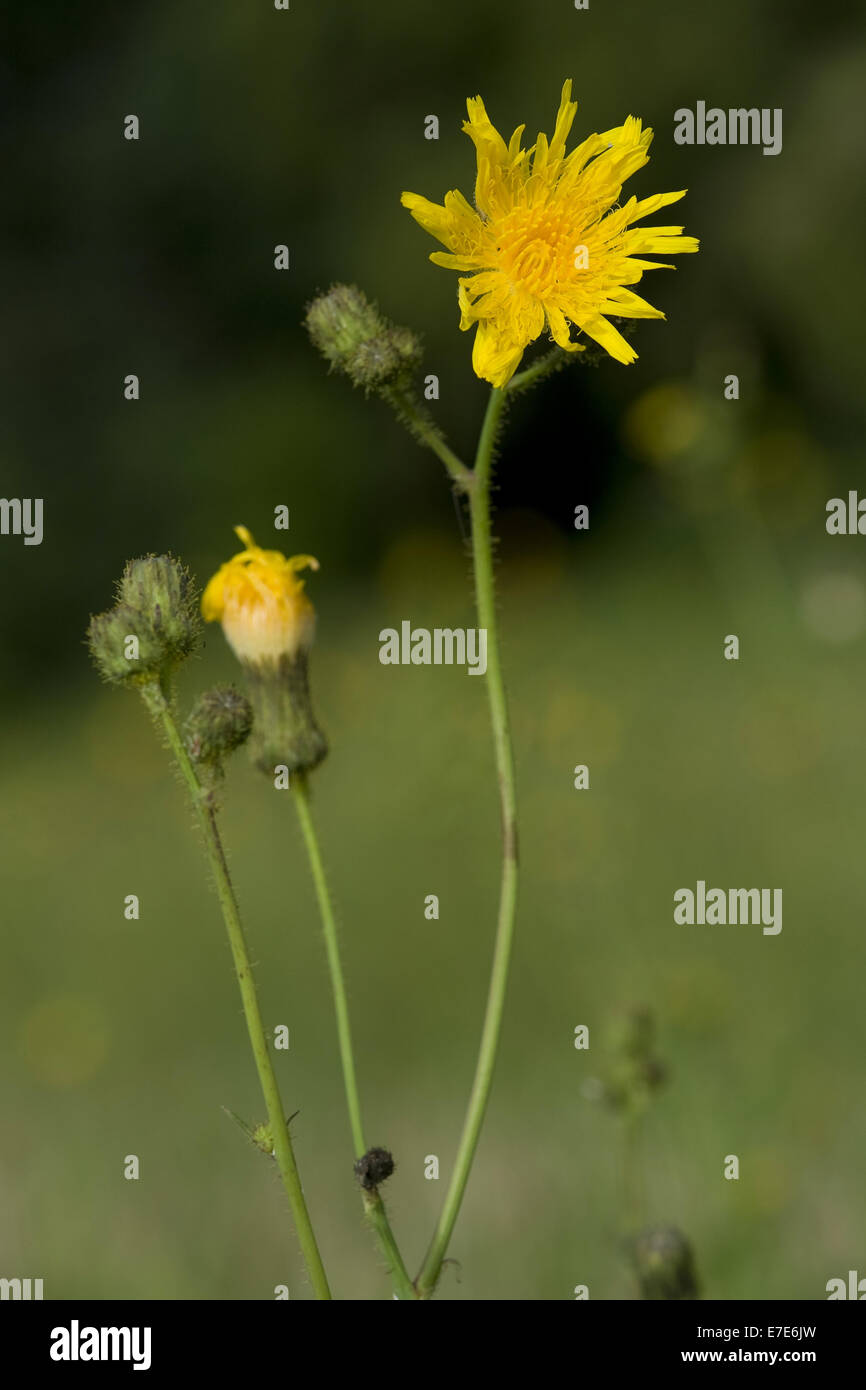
[
  {"x": 607, "y": 337},
  {"x": 564, "y": 121},
  {"x": 481, "y": 129},
  {"x": 514, "y": 143},
  {"x": 213, "y": 598},
  {"x": 647, "y": 206},
  {"x": 453, "y": 262},
  {"x": 662, "y": 239},
  {"x": 494, "y": 358},
  {"x": 434, "y": 218},
  {"x": 560, "y": 330},
  {"x": 624, "y": 304}
]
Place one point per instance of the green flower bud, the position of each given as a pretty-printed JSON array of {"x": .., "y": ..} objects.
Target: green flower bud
[
  {"x": 160, "y": 588},
  {"x": 123, "y": 646},
  {"x": 664, "y": 1264},
  {"x": 153, "y": 625},
  {"x": 340, "y": 321},
  {"x": 386, "y": 359},
  {"x": 263, "y": 1137},
  {"x": 356, "y": 339},
  {"x": 220, "y": 722},
  {"x": 631, "y": 1071},
  {"x": 285, "y": 732}
]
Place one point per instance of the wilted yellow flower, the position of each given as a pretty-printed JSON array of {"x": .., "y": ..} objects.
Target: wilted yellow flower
[
  {"x": 260, "y": 601},
  {"x": 269, "y": 624},
  {"x": 547, "y": 241}
]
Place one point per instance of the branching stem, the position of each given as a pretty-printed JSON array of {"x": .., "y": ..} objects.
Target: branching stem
[{"x": 160, "y": 707}]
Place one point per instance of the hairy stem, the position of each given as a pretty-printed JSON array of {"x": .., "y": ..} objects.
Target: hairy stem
[
  {"x": 283, "y": 1152},
  {"x": 427, "y": 432},
  {"x": 482, "y": 553},
  {"x": 373, "y": 1204},
  {"x": 301, "y": 793}
]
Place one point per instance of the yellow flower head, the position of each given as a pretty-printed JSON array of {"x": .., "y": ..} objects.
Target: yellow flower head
[
  {"x": 547, "y": 241},
  {"x": 260, "y": 601}
]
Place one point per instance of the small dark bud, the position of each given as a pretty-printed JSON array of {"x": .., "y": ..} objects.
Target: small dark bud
[
  {"x": 664, "y": 1264},
  {"x": 220, "y": 722},
  {"x": 375, "y": 1166}
]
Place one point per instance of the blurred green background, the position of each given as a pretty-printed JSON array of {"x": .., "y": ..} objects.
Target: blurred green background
[{"x": 707, "y": 518}]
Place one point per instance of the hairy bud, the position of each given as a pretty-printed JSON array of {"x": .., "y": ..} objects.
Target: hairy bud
[
  {"x": 220, "y": 722},
  {"x": 373, "y": 1168},
  {"x": 123, "y": 646},
  {"x": 356, "y": 339},
  {"x": 153, "y": 626},
  {"x": 159, "y": 587}
]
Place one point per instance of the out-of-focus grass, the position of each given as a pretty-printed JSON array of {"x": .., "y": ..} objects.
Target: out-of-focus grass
[{"x": 126, "y": 1037}]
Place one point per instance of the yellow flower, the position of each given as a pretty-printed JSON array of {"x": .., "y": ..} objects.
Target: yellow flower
[
  {"x": 547, "y": 241},
  {"x": 260, "y": 601}
]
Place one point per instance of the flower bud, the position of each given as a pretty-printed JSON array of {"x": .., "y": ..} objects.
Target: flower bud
[
  {"x": 339, "y": 321},
  {"x": 263, "y": 1138},
  {"x": 664, "y": 1264},
  {"x": 159, "y": 587},
  {"x": 355, "y": 338},
  {"x": 123, "y": 646},
  {"x": 220, "y": 722},
  {"x": 631, "y": 1071},
  {"x": 152, "y": 627},
  {"x": 373, "y": 1168},
  {"x": 269, "y": 622}
]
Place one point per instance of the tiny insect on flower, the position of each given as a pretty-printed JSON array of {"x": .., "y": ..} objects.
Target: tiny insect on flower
[{"x": 547, "y": 243}]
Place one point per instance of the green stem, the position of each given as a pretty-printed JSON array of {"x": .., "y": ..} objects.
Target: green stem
[
  {"x": 377, "y": 1218},
  {"x": 427, "y": 432},
  {"x": 283, "y": 1151},
  {"x": 373, "y": 1204},
  {"x": 482, "y": 553},
  {"x": 632, "y": 1185},
  {"x": 301, "y": 792}
]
